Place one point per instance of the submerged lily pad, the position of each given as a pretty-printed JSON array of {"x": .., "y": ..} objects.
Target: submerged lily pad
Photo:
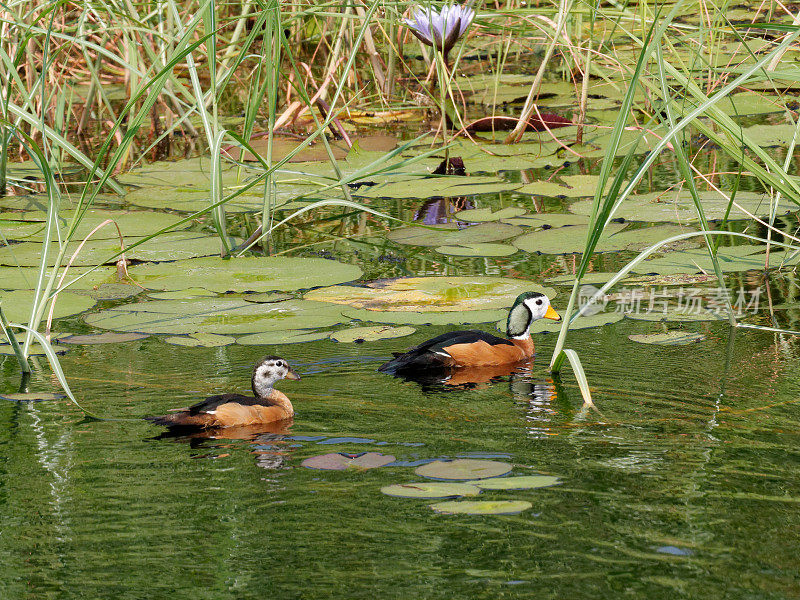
[
  {"x": 521, "y": 482},
  {"x": 449, "y": 235},
  {"x": 244, "y": 274},
  {"x": 109, "y": 337},
  {"x": 201, "y": 340},
  {"x": 430, "y": 294},
  {"x": 668, "y": 338},
  {"x": 463, "y": 468},
  {"x": 430, "y": 489},
  {"x": 216, "y": 315},
  {"x": 481, "y": 507},
  {"x": 339, "y": 461},
  {"x": 371, "y": 334}
]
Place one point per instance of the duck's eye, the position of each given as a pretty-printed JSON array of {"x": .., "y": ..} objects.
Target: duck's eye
[
  {"x": 539, "y": 302},
  {"x": 279, "y": 363}
]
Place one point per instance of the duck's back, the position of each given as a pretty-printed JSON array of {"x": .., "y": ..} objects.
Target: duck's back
[{"x": 457, "y": 348}]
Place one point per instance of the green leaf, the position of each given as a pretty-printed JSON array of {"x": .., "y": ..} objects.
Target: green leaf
[
  {"x": 431, "y": 489},
  {"x": 481, "y": 507},
  {"x": 463, "y": 468}
]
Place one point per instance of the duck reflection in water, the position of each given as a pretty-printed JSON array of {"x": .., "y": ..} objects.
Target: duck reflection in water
[
  {"x": 467, "y": 377},
  {"x": 268, "y": 441}
]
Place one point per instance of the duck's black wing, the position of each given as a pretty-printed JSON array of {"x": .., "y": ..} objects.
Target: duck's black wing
[
  {"x": 432, "y": 354},
  {"x": 212, "y": 402}
]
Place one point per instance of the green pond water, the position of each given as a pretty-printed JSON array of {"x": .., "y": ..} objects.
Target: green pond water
[{"x": 685, "y": 485}]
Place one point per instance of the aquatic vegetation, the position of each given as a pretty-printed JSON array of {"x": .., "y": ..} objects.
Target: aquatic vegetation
[{"x": 440, "y": 29}]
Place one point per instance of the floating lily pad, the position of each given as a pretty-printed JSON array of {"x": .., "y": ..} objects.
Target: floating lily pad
[
  {"x": 481, "y": 507},
  {"x": 522, "y": 482},
  {"x": 183, "y": 294},
  {"x": 170, "y": 246},
  {"x": 565, "y": 240},
  {"x": 495, "y": 250},
  {"x": 24, "y": 278},
  {"x": 430, "y": 489},
  {"x": 425, "y": 318},
  {"x": 547, "y": 220},
  {"x": 371, "y": 334},
  {"x": 463, "y": 468},
  {"x": 244, "y": 274},
  {"x": 216, "y": 315},
  {"x": 111, "y": 291},
  {"x": 17, "y": 305},
  {"x": 109, "y": 337},
  {"x": 575, "y": 186},
  {"x": 34, "y": 350},
  {"x": 201, "y": 340},
  {"x": 430, "y": 294},
  {"x": 669, "y": 338},
  {"x": 32, "y": 397},
  {"x": 479, "y": 215},
  {"x": 587, "y": 279},
  {"x": 19, "y": 230},
  {"x": 674, "y": 314},
  {"x": 192, "y": 198},
  {"x": 770, "y": 135},
  {"x": 131, "y": 223},
  {"x": 267, "y": 297},
  {"x": 450, "y": 235},
  {"x": 339, "y": 461},
  {"x": 282, "y": 337},
  {"x": 444, "y": 186},
  {"x": 679, "y": 207},
  {"x": 731, "y": 259}
]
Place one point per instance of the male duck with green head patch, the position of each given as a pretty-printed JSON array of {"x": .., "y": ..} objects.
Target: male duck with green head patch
[{"x": 474, "y": 348}]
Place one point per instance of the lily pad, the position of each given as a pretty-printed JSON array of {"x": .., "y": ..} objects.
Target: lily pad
[
  {"x": 339, "y": 461},
  {"x": 430, "y": 294},
  {"x": 731, "y": 259},
  {"x": 244, "y": 274},
  {"x": 430, "y": 489},
  {"x": 463, "y": 468},
  {"x": 24, "y": 278},
  {"x": 215, "y": 315},
  {"x": 371, "y": 334},
  {"x": 137, "y": 223},
  {"x": 449, "y": 235},
  {"x": 112, "y": 291},
  {"x": 192, "y": 198},
  {"x": 34, "y": 350},
  {"x": 669, "y": 338},
  {"x": 575, "y": 186},
  {"x": 481, "y": 507},
  {"x": 425, "y": 318},
  {"x": 674, "y": 314},
  {"x": 277, "y": 338},
  {"x": 32, "y": 397},
  {"x": 183, "y": 294},
  {"x": 109, "y": 337},
  {"x": 495, "y": 250},
  {"x": 439, "y": 186},
  {"x": 565, "y": 240},
  {"x": 17, "y": 305},
  {"x": 479, "y": 215},
  {"x": 548, "y": 220},
  {"x": 679, "y": 207},
  {"x": 522, "y": 482},
  {"x": 170, "y": 246},
  {"x": 267, "y": 297},
  {"x": 201, "y": 340}
]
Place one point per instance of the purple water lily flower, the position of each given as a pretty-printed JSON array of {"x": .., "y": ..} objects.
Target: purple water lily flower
[{"x": 440, "y": 29}]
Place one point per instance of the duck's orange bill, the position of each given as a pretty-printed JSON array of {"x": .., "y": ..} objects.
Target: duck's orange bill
[{"x": 552, "y": 314}]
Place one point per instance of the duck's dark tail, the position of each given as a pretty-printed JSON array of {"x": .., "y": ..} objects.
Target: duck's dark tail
[{"x": 178, "y": 420}]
